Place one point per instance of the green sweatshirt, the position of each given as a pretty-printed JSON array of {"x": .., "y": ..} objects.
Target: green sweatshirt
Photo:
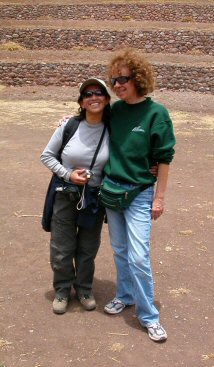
[{"x": 141, "y": 134}]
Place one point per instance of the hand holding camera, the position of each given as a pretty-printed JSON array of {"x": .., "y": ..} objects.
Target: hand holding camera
[
  {"x": 81, "y": 176},
  {"x": 87, "y": 173}
]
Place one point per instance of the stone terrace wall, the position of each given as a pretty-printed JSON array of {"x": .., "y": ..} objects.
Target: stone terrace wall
[
  {"x": 198, "y": 79},
  {"x": 167, "y": 41},
  {"x": 151, "y": 12}
]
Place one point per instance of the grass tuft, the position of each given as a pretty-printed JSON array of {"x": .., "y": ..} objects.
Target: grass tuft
[
  {"x": 11, "y": 46},
  {"x": 45, "y": 17},
  {"x": 126, "y": 17},
  {"x": 196, "y": 52},
  {"x": 187, "y": 19}
]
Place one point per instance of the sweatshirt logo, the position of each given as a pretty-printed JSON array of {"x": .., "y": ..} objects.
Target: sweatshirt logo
[{"x": 138, "y": 129}]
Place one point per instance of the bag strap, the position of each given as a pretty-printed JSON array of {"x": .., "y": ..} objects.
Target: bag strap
[
  {"x": 98, "y": 148},
  {"x": 81, "y": 201},
  {"x": 69, "y": 130}
]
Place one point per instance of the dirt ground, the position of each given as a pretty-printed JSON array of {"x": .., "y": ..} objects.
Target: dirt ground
[
  {"x": 182, "y": 248},
  {"x": 195, "y": 2}
]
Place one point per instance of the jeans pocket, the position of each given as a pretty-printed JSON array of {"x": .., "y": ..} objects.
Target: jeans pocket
[{"x": 147, "y": 195}]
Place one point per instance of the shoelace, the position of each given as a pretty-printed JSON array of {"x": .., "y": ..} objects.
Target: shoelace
[
  {"x": 60, "y": 299},
  {"x": 86, "y": 296},
  {"x": 157, "y": 328},
  {"x": 115, "y": 301}
]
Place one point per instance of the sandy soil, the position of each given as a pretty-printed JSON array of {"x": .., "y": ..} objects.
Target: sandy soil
[{"x": 182, "y": 249}]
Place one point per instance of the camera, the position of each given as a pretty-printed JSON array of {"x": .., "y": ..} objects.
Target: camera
[{"x": 88, "y": 174}]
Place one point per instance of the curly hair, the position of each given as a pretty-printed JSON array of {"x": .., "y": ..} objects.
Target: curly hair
[{"x": 140, "y": 69}]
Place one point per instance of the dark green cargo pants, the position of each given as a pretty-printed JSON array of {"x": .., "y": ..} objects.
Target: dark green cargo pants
[{"x": 73, "y": 248}]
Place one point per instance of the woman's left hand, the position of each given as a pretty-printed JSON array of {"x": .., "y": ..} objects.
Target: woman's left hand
[
  {"x": 78, "y": 176},
  {"x": 157, "y": 208}
]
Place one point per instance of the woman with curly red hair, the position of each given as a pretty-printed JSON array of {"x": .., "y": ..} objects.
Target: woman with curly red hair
[{"x": 141, "y": 134}]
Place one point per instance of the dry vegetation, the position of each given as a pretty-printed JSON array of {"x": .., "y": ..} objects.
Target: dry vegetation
[{"x": 11, "y": 46}]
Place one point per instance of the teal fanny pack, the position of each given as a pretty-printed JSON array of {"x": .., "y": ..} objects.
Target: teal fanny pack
[{"x": 114, "y": 196}]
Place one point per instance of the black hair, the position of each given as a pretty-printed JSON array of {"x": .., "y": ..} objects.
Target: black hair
[{"x": 106, "y": 112}]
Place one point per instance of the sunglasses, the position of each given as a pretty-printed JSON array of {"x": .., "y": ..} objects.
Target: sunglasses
[
  {"x": 120, "y": 80},
  {"x": 90, "y": 93}
]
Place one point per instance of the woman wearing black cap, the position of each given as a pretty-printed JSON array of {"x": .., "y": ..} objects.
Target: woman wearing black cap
[{"x": 75, "y": 225}]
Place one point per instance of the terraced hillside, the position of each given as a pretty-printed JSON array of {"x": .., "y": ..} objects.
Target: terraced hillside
[{"x": 57, "y": 43}]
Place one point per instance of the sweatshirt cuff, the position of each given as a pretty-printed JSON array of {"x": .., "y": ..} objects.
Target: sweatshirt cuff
[{"x": 67, "y": 176}]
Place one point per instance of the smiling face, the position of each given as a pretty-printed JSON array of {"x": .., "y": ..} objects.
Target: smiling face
[
  {"x": 94, "y": 104},
  {"x": 127, "y": 91}
]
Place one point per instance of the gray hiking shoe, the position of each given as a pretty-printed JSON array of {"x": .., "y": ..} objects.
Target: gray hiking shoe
[
  {"x": 87, "y": 301},
  {"x": 60, "y": 304}
]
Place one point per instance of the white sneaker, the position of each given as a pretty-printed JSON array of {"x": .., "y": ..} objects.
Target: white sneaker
[
  {"x": 115, "y": 306},
  {"x": 156, "y": 332}
]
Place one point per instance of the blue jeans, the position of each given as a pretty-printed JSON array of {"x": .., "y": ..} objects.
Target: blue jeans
[{"x": 129, "y": 232}]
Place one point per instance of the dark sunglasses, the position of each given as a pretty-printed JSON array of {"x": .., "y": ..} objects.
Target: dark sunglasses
[
  {"x": 90, "y": 93},
  {"x": 120, "y": 80}
]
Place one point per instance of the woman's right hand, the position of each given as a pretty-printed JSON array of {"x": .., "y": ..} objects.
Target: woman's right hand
[{"x": 154, "y": 170}]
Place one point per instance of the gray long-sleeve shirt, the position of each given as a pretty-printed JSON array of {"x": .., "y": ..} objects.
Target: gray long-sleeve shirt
[{"x": 79, "y": 151}]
